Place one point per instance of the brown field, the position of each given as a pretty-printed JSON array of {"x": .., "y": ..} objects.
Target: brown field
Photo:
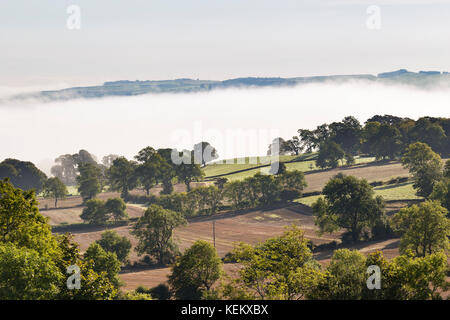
[
  {"x": 250, "y": 227},
  {"x": 371, "y": 172}
]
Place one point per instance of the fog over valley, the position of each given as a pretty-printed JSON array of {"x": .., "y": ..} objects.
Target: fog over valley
[{"x": 40, "y": 131}]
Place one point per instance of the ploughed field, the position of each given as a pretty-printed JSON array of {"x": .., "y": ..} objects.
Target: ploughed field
[{"x": 250, "y": 226}]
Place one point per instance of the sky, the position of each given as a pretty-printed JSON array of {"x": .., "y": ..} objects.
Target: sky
[{"x": 220, "y": 39}]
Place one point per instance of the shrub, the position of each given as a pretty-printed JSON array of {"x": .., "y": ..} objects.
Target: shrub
[
  {"x": 116, "y": 207},
  {"x": 94, "y": 213},
  {"x": 160, "y": 292},
  {"x": 111, "y": 242},
  {"x": 142, "y": 199}
]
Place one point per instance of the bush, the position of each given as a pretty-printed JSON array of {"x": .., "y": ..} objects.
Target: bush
[
  {"x": 160, "y": 292},
  {"x": 116, "y": 207},
  {"x": 112, "y": 242},
  {"x": 99, "y": 212},
  {"x": 94, "y": 213},
  {"x": 142, "y": 199},
  {"x": 147, "y": 260},
  {"x": 381, "y": 230}
]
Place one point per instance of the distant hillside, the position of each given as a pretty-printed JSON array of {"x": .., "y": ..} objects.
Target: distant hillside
[{"x": 424, "y": 79}]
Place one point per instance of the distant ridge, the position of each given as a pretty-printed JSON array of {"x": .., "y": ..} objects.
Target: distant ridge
[{"x": 423, "y": 79}]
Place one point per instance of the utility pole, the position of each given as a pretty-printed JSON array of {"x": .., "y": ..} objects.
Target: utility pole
[{"x": 214, "y": 232}]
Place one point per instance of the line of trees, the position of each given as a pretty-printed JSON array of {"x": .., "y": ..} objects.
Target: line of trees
[
  {"x": 249, "y": 193},
  {"x": 350, "y": 203},
  {"x": 100, "y": 212},
  {"x": 23, "y": 174},
  {"x": 383, "y": 137}
]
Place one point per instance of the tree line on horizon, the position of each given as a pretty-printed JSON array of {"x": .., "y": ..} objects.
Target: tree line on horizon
[{"x": 383, "y": 137}]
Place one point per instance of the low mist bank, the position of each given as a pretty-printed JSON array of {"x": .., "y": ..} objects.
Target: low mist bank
[{"x": 237, "y": 122}]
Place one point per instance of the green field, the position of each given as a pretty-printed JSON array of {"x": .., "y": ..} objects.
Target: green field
[
  {"x": 232, "y": 165},
  {"x": 402, "y": 191},
  {"x": 73, "y": 190},
  {"x": 308, "y": 200},
  {"x": 304, "y": 162}
]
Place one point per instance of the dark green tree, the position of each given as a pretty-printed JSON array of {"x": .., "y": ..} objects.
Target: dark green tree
[
  {"x": 25, "y": 274},
  {"x": 349, "y": 203},
  {"x": 347, "y": 134},
  {"x": 293, "y": 145},
  {"x": 110, "y": 241},
  {"x": 22, "y": 174},
  {"x": 154, "y": 231},
  {"x": 94, "y": 212},
  {"x": 151, "y": 168},
  {"x": 188, "y": 173},
  {"x": 55, "y": 188},
  {"x": 424, "y": 165},
  {"x": 195, "y": 271},
  {"x": 329, "y": 155},
  {"x": 167, "y": 170},
  {"x": 441, "y": 193},
  {"x": 425, "y": 229},
  {"x": 103, "y": 262},
  {"x": 116, "y": 208},
  {"x": 89, "y": 180},
  {"x": 122, "y": 176}
]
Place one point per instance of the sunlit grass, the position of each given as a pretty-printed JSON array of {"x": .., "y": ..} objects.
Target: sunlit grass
[
  {"x": 73, "y": 190},
  {"x": 402, "y": 191},
  {"x": 301, "y": 163},
  {"x": 308, "y": 200}
]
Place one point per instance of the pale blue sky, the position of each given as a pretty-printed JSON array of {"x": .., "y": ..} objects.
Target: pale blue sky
[{"x": 216, "y": 39}]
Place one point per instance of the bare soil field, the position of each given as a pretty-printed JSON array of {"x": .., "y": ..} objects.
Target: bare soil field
[
  {"x": 70, "y": 215},
  {"x": 75, "y": 201},
  {"x": 251, "y": 227},
  {"x": 71, "y": 202},
  {"x": 153, "y": 277}
]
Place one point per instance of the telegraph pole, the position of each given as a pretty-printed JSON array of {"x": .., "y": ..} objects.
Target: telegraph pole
[{"x": 214, "y": 232}]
